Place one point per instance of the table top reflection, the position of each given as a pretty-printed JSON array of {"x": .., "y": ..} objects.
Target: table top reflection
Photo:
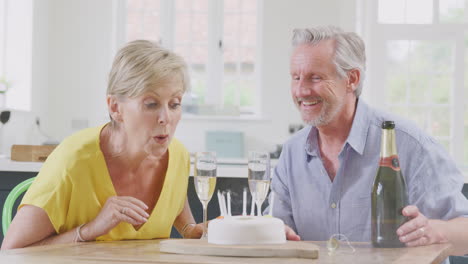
[{"x": 147, "y": 251}]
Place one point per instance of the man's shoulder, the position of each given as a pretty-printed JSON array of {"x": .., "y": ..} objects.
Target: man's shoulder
[{"x": 405, "y": 129}]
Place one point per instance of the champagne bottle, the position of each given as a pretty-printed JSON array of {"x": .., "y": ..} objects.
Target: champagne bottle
[{"x": 389, "y": 195}]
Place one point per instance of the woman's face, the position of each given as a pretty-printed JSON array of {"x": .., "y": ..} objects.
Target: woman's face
[{"x": 150, "y": 120}]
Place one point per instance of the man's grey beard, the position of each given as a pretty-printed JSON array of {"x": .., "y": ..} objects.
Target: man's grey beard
[
  {"x": 321, "y": 120},
  {"x": 325, "y": 116}
]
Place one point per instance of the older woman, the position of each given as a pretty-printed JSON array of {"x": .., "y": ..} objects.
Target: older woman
[{"x": 126, "y": 179}]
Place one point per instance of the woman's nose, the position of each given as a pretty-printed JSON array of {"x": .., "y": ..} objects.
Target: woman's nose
[{"x": 163, "y": 117}]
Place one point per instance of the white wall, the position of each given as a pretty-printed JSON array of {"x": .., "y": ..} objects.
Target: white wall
[
  {"x": 72, "y": 46},
  {"x": 15, "y": 52},
  {"x": 72, "y": 41}
]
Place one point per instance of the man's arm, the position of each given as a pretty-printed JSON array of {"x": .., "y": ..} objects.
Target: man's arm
[
  {"x": 439, "y": 209},
  {"x": 456, "y": 231},
  {"x": 420, "y": 231}
]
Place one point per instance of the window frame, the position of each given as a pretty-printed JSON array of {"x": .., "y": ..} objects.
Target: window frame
[
  {"x": 215, "y": 64},
  {"x": 377, "y": 35}
]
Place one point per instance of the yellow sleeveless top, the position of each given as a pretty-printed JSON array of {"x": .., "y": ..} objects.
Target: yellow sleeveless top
[{"x": 74, "y": 184}]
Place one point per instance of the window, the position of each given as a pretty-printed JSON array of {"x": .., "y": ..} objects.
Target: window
[
  {"x": 218, "y": 39},
  {"x": 16, "y": 54},
  {"x": 419, "y": 62}
]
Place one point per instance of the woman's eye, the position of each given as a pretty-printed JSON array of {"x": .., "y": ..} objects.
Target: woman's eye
[
  {"x": 175, "y": 105},
  {"x": 151, "y": 105}
]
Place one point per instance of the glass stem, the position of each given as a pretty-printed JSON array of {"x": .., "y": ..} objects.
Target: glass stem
[
  {"x": 259, "y": 208},
  {"x": 205, "y": 224}
]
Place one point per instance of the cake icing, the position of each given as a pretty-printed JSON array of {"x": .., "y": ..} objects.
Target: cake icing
[{"x": 244, "y": 230}]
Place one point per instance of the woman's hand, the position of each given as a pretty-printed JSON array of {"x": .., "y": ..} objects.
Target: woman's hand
[
  {"x": 116, "y": 209},
  {"x": 419, "y": 231},
  {"x": 193, "y": 231}
]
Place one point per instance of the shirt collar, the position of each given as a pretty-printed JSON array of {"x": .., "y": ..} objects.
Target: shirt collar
[
  {"x": 357, "y": 136},
  {"x": 311, "y": 144}
]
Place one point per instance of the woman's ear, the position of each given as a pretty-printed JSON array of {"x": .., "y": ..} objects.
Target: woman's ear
[
  {"x": 354, "y": 76},
  {"x": 113, "y": 105}
]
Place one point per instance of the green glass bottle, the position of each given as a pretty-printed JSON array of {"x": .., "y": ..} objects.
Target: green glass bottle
[{"x": 389, "y": 195}]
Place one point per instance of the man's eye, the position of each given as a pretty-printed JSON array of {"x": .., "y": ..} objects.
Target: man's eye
[
  {"x": 295, "y": 78},
  {"x": 316, "y": 78}
]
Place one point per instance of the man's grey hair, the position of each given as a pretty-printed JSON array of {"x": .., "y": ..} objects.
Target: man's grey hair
[{"x": 350, "y": 50}]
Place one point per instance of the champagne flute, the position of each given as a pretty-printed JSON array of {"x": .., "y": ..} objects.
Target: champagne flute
[
  {"x": 205, "y": 181},
  {"x": 259, "y": 177}
]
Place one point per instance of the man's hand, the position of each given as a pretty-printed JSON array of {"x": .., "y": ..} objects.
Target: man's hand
[
  {"x": 290, "y": 234},
  {"x": 419, "y": 231}
]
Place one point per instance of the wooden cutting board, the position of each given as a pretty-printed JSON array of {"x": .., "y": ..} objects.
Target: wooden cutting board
[
  {"x": 291, "y": 249},
  {"x": 35, "y": 153}
]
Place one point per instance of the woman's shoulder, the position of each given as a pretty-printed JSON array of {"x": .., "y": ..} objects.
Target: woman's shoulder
[
  {"x": 178, "y": 152},
  {"x": 177, "y": 146},
  {"x": 70, "y": 159},
  {"x": 83, "y": 144}
]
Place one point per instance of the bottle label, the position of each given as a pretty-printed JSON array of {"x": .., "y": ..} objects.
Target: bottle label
[{"x": 390, "y": 162}]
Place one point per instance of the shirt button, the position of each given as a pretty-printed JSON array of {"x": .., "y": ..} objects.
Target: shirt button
[{"x": 333, "y": 205}]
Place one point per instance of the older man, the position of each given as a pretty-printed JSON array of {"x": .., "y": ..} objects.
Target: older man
[{"x": 324, "y": 177}]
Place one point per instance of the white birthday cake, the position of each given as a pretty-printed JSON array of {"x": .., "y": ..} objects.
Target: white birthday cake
[{"x": 244, "y": 230}]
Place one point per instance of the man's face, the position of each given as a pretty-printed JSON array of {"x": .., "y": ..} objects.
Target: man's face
[{"x": 317, "y": 89}]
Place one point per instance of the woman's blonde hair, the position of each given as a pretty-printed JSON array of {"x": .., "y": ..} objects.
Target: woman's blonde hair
[{"x": 142, "y": 65}]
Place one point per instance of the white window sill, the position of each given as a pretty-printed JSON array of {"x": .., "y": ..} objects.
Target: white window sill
[{"x": 186, "y": 116}]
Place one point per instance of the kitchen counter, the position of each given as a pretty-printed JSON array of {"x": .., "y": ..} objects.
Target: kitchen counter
[
  {"x": 227, "y": 168},
  {"x": 8, "y": 165}
]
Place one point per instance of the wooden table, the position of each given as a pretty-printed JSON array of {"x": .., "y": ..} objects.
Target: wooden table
[{"x": 147, "y": 251}]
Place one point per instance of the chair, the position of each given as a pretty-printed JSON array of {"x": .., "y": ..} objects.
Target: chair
[{"x": 10, "y": 202}]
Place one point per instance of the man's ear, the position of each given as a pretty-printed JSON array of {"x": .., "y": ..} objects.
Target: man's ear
[
  {"x": 354, "y": 76},
  {"x": 113, "y": 105}
]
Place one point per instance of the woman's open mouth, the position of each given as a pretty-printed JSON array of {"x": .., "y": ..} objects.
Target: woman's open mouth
[{"x": 161, "y": 139}]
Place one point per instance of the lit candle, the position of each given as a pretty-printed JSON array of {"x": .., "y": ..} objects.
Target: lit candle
[
  {"x": 272, "y": 199},
  {"x": 244, "y": 202},
  {"x": 229, "y": 203}
]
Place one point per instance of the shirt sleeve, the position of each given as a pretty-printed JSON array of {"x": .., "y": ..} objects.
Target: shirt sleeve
[
  {"x": 282, "y": 200},
  {"x": 51, "y": 190},
  {"x": 436, "y": 184}
]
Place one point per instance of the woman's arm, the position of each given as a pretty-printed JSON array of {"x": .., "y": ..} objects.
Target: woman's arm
[
  {"x": 32, "y": 226},
  {"x": 186, "y": 225}
]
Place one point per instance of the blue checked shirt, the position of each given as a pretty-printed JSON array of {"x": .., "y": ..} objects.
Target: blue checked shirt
[{"x": 316, "y": 208}]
